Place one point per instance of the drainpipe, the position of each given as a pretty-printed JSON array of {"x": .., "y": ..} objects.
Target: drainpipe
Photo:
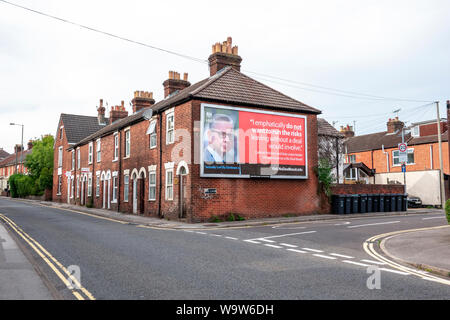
[
  {"x": 387, "y": 158},
  {"x": 160, "y": 164},
  {"x": 119, "y": 175}
]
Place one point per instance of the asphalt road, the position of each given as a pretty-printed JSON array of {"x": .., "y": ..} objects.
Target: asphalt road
[{"x": 313, "y": 260}]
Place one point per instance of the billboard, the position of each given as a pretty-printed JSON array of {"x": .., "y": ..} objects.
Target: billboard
[{"x": 246, "y": 143}]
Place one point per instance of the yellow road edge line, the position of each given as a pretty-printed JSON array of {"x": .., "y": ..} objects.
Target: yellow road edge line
[
  {"x": 87, "y": 293},
  {"x": 369, "y": 249},
  {"x": 24, "y": 235}
]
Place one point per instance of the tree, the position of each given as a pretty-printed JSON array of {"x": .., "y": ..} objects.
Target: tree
[
  {"x": 331, "y": 149},
  {"x": 40, "y": 162}
]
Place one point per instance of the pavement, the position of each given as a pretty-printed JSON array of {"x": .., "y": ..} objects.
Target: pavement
[
  {"x": 19, "y": 280},
  {"x": 417, "y": 248}
]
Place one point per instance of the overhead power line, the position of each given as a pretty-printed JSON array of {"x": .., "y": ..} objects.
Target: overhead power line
[{"x": 291, "y": 83}]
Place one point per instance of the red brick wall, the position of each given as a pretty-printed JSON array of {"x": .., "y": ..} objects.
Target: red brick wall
[
  {"x": 431, "y": 129},
  {"x": 250, "y": 198},
  {"x": 62, "y": 197},
  {"x": 255, "y": 198},
  {"x": 366, "y": 188},
  {"x": 422, "y": 158}
]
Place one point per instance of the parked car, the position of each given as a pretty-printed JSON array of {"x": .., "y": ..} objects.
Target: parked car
[{"x": 414, "y": 202}]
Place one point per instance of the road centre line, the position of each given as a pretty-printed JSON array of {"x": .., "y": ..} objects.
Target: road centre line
[
  {"x": 313, "y": 250},
  {"x": 288, "y": 245},
  {"x": 231, "y": 238},
  {"x": 441, "y": 217},
  {"x": 341, "y": 256},
  {"x": 373, "y": 224},
  {"x": 323, "y": 256},
  {"x": 252, "y": 241},
  {"x": 282, "y": 235},
  {"x": 262, "y": 239},
  {"x": 273, "y": 246},
  {"x": 356, "y": 263},
  {"x": 395, "y": 271},
  {"x": 295, "y": 250}
]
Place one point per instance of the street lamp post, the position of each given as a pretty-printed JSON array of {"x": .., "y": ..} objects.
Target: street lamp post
[{"x": 21, "y": 150}]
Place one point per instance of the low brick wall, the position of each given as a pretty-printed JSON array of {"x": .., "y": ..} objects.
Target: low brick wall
[{"x": 367, "y": 188}]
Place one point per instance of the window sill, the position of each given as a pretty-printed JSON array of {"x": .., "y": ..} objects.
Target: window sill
[
  {"x": 151, "y": 199},
  {"x": 127, "y": 157},
  {"x": 115, "y": 160},
  {"x": 399, "y": 165}
]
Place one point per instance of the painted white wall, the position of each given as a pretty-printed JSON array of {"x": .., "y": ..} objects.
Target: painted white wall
[{"x": 422, "y": 184}]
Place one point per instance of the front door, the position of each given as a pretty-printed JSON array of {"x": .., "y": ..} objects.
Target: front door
[
  {"x": 141, "y": 195},
  {"x": 104, "y": 194},
  {"x": 135, "y": 195}
]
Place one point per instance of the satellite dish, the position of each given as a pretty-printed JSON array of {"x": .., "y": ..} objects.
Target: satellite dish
[{"x": 147, "y": 114}]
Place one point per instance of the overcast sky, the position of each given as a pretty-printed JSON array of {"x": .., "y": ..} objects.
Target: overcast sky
[{"x": 395, "y": 49}]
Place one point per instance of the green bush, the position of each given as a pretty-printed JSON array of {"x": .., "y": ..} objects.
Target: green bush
[
  {"x": 447, "y": 210},
  {"x": 22, "y": 186},
  {"x": 323, "y": 172}
]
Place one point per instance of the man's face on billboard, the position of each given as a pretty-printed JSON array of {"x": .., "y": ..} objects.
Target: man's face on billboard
[{"x": 221, "y": 136}]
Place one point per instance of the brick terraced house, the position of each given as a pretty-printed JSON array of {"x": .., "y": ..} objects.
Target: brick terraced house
[
  {"x": 12, "y": 163},
  {"x": 378, "y": 152},
  {"x": 205, "y": 150}
]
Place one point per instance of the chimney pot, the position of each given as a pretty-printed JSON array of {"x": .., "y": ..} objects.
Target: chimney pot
[{"x": 224, "y": 55}]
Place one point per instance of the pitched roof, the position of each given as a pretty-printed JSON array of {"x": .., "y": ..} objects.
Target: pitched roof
[
  {"x": 324, "y": 128},
  {"x": 78, "y": 127},
  {"x": 3, "y": 153},
  {"x": 375, "y": 141},
  {"x": 11, "y": 159},
  {"x": 227, "y": 85},
  {"x": 428, "y": 139}
]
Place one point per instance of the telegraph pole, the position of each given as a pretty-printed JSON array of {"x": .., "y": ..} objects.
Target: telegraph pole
[{"x": 440, "y": 155}]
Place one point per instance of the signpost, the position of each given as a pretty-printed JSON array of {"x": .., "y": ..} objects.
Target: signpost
[{"x": 403, "y": 159}]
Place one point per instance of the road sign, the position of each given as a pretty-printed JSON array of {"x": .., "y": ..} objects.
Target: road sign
[
  {"x": 403, "y": 168},
  {"x": 402, "y": 147}
]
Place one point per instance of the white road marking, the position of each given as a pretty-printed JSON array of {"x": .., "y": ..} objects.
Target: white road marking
[
  {"x": 251, "y": 241},
  {"x": 200, "y": 232},
  {"x": 342, "y": 224},
  {"x": 295, "y": 250},
  {"x": 273, "y": 246},
  {"x": 232, "y": 238},
  {"x": 326, "y": 257},
  {"x": 441, "y": 217},
  {"x": 313, "y": 250},
  {"x": 263, "y": 239},
  {"x": 283, "y": 235},
  {"x": 215, "y": 235},
  {"x": 288, "y": 245},
  {"x": 373, "y": 224},
  {"x": 341, "y": 256},
  {"x": 374, "y": 262},
  {"x": 356, "y": 263},
  {"x": 395, "y": 271}
]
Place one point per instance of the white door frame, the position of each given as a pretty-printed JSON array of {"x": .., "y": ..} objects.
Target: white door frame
[{"x": 69, "y": 188}]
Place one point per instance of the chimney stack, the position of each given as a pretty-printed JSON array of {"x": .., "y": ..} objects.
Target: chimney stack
[
  {"x": 394, "y": 125},
  {"x": 174, "y": 83},
  {"x": 141, "y": 100},
  {"x": 117, "y": 112},
  {"x": 18, "y": 148},
  {"x": 347, "y": 131},
  {"x": 101, "y": 113},
  {"x": 224, "y": 55}
]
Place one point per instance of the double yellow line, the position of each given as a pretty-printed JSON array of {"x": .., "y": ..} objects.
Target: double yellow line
[
  {"x": 369, "y": 248},
  {"x": 81, "y": 293}
]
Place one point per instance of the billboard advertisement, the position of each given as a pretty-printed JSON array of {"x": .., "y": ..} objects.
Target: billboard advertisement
[{"x": 246, "y": 143}]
